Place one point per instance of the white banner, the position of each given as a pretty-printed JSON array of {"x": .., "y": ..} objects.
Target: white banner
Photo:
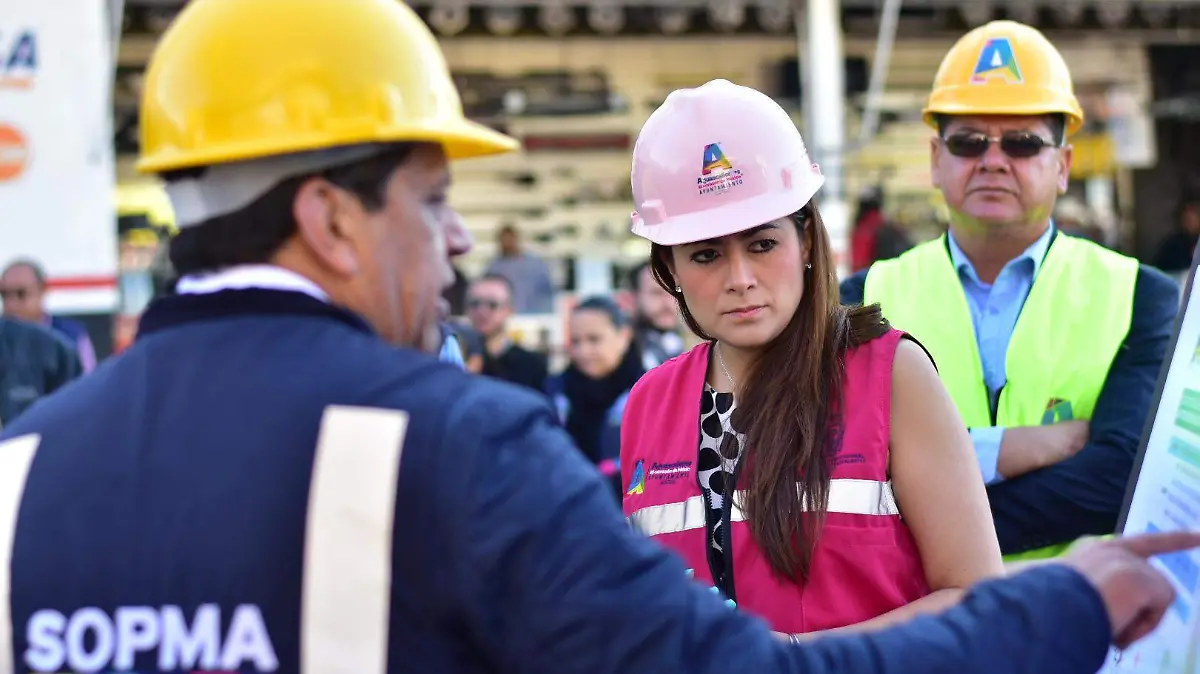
[{"x": 57, "y": 179}]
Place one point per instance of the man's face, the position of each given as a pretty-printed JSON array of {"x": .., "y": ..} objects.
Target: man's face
[
  {"x": 489, "y": 305},
  {"x": 22, "y": 294},
  {"x": 1012, "y": 182},
  {"x": 397, "y": 256},
  {"x": 509, "y": 243},
  {"x": 655, "y": 304}
]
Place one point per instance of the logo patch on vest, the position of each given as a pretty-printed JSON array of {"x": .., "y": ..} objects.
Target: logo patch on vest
[
  {"x": 833, "y": 443},
  {"x": 1057, "y": 410},
  {"x": 669, "y": 473},
  {"x": 638, "y": 484}
]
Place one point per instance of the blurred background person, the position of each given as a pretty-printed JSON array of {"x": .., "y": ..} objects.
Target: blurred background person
[
  {"x": 657, "y": 328},
  {"x": 1175, "y": 253},
  {"x": 532, "y": 287},
  {"x": 489, "y": 306},
  {"x": 34, "y": 362},
  {"x": 590, "y": 394},
  {"x": 874, "y": 237},
  {"x": 23, "y": 289}
]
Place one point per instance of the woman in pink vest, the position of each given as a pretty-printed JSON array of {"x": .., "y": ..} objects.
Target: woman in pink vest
[{"x": 805, "y": 460}]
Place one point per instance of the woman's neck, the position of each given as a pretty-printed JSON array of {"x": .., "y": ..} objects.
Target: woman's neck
[{"x": 729, "y": 363}]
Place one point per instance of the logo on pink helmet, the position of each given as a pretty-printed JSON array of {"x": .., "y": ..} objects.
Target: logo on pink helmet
[{"x": 717, "y": 173}]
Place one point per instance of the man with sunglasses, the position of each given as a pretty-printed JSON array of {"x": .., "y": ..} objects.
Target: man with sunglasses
[
  {"x": 489, "y": 306},
  {"x": 23, "y": 290},
  {"x": 1049, "y": 345},
  {"x": 35, "y": 361}
]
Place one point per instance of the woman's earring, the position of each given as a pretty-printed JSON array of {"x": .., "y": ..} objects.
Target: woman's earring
[
  {"x": 678, "y": 290},
  {"x": 808, "y": 265}
]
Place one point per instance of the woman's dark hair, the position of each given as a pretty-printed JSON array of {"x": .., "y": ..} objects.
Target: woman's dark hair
[
  {"x": 787, "y": 405},
  {"x": 606, "y": 306},
  {"x": 253, "y": 234}
]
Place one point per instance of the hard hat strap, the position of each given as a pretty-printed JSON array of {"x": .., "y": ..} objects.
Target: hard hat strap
[{"x": 227, "y": 188}]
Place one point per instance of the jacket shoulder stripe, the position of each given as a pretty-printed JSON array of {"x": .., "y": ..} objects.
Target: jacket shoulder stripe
[
  {"x": 16, "y": 457},
  {"x": 348, "y": 540}
]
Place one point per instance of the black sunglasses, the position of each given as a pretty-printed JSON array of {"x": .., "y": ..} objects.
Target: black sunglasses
[
  {"x": 1017, "y": 145},
  {"x": 490, "y": 305}
]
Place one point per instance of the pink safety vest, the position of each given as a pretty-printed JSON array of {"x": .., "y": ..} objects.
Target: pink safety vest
[{"x": 865, "y": 562}]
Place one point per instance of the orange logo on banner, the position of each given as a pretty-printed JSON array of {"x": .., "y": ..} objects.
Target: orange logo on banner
[{"x": 14, "y": 153}]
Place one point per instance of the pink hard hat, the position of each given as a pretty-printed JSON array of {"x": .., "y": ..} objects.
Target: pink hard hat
[{"x": 717, "y": 160}]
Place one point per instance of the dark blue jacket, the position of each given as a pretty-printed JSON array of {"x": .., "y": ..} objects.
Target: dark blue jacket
[
  {"x": 1084, "y": 494},
  {"x": 171, "y": 487},
  {"x": 34, "y": 362}
]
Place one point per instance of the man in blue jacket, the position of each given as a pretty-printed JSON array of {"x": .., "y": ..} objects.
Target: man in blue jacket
[
  {"x": 34, "y": 362},
  {"x": 263, "y": 482}
]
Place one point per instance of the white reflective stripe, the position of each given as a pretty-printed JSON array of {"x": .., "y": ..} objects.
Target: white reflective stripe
[
  {"x": 862, "y": 497},
  {"x": 848, "y": 496},
  {"x": 669, "y": 518},
  {"x": 347, "y": 586},
  {"x": 16, "y": 455}
]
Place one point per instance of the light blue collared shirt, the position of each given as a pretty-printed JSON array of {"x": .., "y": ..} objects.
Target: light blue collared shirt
[
  {"x": 451, "y": 352},
  {"x": 994, "y": 311}
]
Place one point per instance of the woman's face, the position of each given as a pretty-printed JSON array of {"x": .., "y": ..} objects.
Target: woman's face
[
  {"x": 597, "y": 345},
  {"x": 743, "y": 289}
]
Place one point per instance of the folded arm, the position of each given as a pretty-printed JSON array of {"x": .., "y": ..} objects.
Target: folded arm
[{"x": 1083, "y": 495}]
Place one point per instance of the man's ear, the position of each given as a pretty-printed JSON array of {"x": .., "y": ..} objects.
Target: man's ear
[
  {"x": 1065, "y": 158},
  {"x": 322, "y": 211},
  {"x": 934, "y": 155}
]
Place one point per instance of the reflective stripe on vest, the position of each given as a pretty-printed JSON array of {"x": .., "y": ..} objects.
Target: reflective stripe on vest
[
  {"x": 1068, "y": 333},
  {"x": 849, "y": 496}
]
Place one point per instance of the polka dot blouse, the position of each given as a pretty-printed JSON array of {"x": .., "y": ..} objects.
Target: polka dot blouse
[{"x": 720, "y": 447}]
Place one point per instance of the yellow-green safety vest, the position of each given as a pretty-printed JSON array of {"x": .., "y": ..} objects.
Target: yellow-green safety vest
[{"x": 1070, "y": 328}]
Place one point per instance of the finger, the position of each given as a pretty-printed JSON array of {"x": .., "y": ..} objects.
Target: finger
[
  {"x": 1157, "y": 595},
  {"x": 1148, "y": 545},
  {"x": 1142, "y": 625}
]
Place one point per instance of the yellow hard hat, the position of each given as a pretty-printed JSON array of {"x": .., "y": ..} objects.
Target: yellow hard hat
[
  {"x": 1004, "y": 68},
  {"x": 234, "y": 80}
]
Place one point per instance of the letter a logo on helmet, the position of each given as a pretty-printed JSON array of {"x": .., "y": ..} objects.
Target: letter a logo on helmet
[
  {"x": 1003, "y": 68},
  {"x": 997, "y": 62},
  {"x": 714, "y": 159}
]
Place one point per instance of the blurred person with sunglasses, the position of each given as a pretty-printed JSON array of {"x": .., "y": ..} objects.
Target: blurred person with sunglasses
[
  {"x": 35, "y": 361},
  {"x": 489, "y": 306},
  {"x": 23, "y": 289},
  {"x": 1049, "y": 344}
]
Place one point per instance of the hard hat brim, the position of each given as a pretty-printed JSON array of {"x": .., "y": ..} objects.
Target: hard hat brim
[
  {"x": 727, "y": 219},
  {"x": 460, "y": 139},
  {"x": 974, "y": 100}
]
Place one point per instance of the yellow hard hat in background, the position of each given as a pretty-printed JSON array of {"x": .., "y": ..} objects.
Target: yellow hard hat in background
[
  {"x": 1004, "y": 68},
  {"x": 234, "y": 80}
]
